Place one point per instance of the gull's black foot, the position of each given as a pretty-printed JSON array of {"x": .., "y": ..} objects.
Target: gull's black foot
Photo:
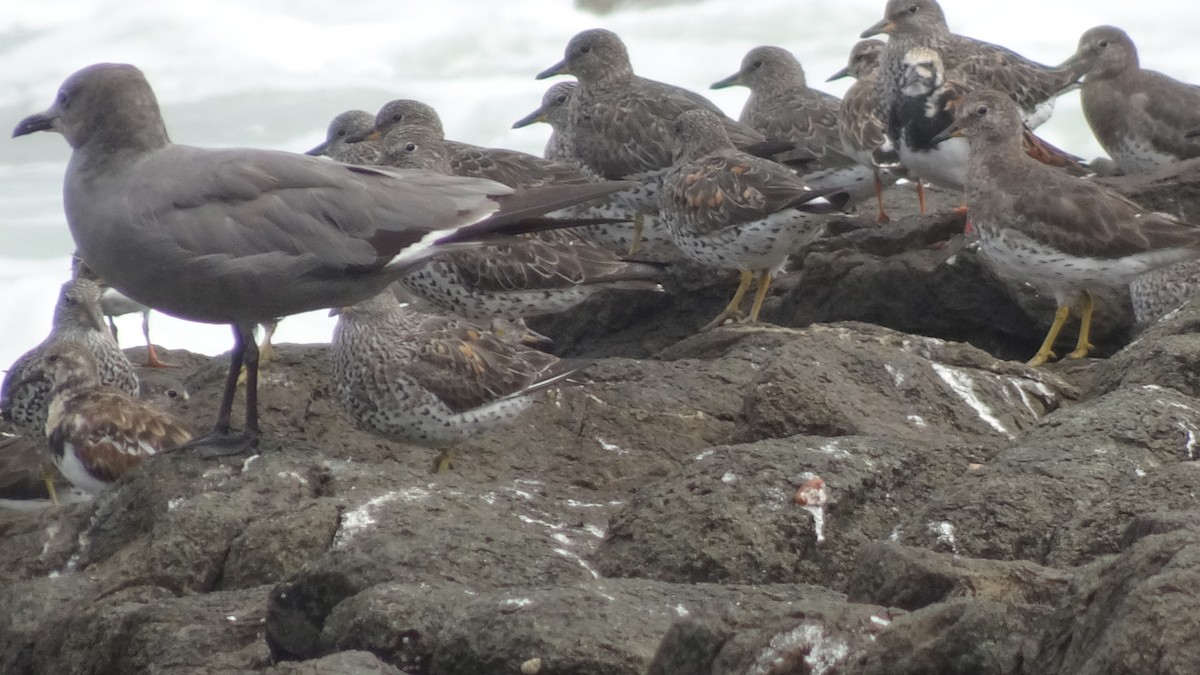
[{"x": 219, "y": 443}]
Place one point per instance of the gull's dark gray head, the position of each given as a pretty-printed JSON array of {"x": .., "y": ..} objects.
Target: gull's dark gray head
[
  {"x": 407, "y": 112},
  {"x": 698, "y": 133},
  {"x": 923, "y": 72},
  {"x": 989, "y": 119},
  {"x": 555, "y": 105},
  {"x": 864, "y": 60},
  {"x": 764, "y": 66},
  {"x": 348, "y": 125},
  {"x": 78, "y": 306},
  {"x": 1104, "y": 51},
  {"x": 909, "y": 17},
  {"x": 591, "y": 56},
  {"x": 410, "y": 146},
  {"x": 108, "y": 106}
]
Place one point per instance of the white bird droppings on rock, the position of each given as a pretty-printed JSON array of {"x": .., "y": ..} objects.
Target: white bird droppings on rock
[
  {"x": 359, "y": 519},
  {"x": 822, "y": 653},
  {"x": 964, "y": 387}
]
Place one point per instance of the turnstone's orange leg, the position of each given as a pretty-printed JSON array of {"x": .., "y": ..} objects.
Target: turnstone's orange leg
[
  {"x": 1046, "y": 352},
  {"x": 921, "y": 195},
  {"x": 152, "y": 360},
  {"x": 1083, "y": 346},
  {"x": 764, "y": 282},
  {"x": 733, "y": 310},
  {"x": 882, "y": 218}
]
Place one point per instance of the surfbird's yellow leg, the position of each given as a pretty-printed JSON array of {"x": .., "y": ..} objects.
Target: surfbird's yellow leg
[
  {"x": 1046, "y": 352},
  {"x": 639, "y": 224},
  {"x": 444, "y": 461},
  {"x": 764, "y": 282},
  {"x": 48, "y": 476},
  {"x": 733, "y": 310},
  {"x": 1083, "y": 346}
]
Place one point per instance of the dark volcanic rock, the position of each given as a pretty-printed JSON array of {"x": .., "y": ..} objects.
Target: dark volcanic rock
[
  {"x": 1132, "y": 613},
  {"x": 1065, "y": 491}
]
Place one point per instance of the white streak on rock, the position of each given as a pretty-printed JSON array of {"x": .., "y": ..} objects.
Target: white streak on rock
[{"x": 962, "y": 385}]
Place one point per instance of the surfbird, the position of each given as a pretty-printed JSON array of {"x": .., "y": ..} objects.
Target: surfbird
[
  {"x": 24, "y": 397},
  {"x": 239, "y": 236},
  {"x": 513, "y": 168},
  {"x": 729, "y": 209},
  {"x": 621, "y": 123},
  {"x": 352, "y": 124},
  {"x": 782, "y": 106},
  {"x": 542, "y": 274},
  {"x": 431, "y": 379},
  {"x": 861, "y": 131},
  {"x": 1059, "y": 233},
  {"x": 1140, "y": 117},
  {"x": 97, "y": 433},
  {"x": 554, "y": 111},
  {"x": 969, "y": 62}
]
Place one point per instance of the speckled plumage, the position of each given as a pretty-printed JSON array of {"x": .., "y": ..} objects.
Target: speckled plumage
[
  {"x": 1062, "y": 234},
  {"x": 1157, "y": 292},
  {"x": 728, "y": 209},
  {"x": 555, "y": 111},
  {"x": 24, "y": 396},
  {"x": 430, "y": 379},
  {"x": 343, "y": 139},
  {"x": 783, "y": 107},
  {"x": 621, "y": 123},
  {"x": 969, "y": 62},
  {"x": 1141, "y": 117},
  {"x": 97, "y": 433},
  {"x": 540, "y": 275}
]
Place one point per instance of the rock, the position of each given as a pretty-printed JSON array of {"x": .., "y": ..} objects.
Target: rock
[
  {"x": 1166, "y": 354},
  {"x": 1065, "y": 490},
  {"x": 965, "y": 637},
  {"x": 1173, "y": 189},
  {"x": 910, "y": 578},
  {"x": 1130, "y": 613},
  {"x": 342, "y": 663}
]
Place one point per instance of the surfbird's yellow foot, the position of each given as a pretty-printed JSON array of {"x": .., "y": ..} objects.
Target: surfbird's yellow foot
[{"x": 444, "y": 462}]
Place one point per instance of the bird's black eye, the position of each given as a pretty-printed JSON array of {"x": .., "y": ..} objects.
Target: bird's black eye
[
  {"x": 585, "y": 49},
  {"x": 63, "y": 98},
  {"x": 756, "y": 64},
  {"x": 981, "y": 110},
  {"x": 397, "y": 117},
  {"x": 53, "y": 358},
  {"x": 171, "y": 393},
  {"x": 913, "y": 9},
  {"x": 1102, "y": 44},
  {"x": 559, "y": 100},
  {"x": 410, "y": 147},
  {"x": 341, "y": 132}
]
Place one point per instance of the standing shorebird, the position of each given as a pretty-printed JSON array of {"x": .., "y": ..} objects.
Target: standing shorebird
[
  {"x": 430, "y": 379},
  {"x": 97, "y": 433},
  {"x": 1059, "y": 233},
  {"x": 862, "y": 131},
  {"x": 1141, "y": 117},
  {"x": 728, "y": 209}
]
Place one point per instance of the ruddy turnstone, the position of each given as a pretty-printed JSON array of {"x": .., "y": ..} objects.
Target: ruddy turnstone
[
  {"x": 728, "y": 209},
  {"x": 862, "y": 132},
  {"x": 24, "y": 397},
  {"x": 1141, "y": 117},
  {"x": 97, "y": 433},
  {"x": 972, "y": 63},
  {"x": 1062, "y": 234},
  {"x": 240, "y": 236}
]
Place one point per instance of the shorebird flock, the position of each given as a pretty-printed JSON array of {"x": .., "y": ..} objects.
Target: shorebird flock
[{"x": 635, "y": 170}]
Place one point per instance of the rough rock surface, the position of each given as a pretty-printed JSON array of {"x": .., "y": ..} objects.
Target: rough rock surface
[{"x": 873, "y": 483}]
